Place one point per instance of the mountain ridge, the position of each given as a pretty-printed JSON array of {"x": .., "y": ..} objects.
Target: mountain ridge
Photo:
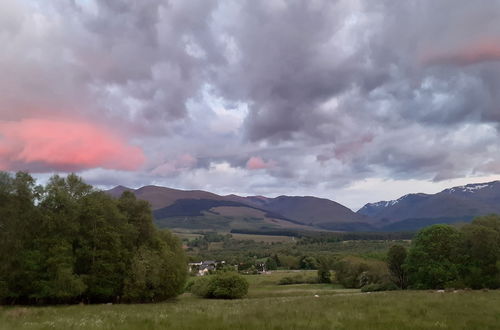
[
  {"x": 459, "y": 203},
  {"x": 308, "y": 211},
  {"x": 197, "y": 208}
]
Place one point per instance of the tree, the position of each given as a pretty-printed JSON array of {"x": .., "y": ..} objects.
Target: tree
[
  {"x": 324, "y": 275},
  {"x": 68, "y": 242},
  {"x": 396, "y": 258},
  {"x": 308, "y": 262},
  {"x": 434, "y": 259},
  {"x": 482, "y": 252},
  {"x": 271, "y": 264}
]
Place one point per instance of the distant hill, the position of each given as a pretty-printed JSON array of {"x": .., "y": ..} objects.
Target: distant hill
[
  {"x": 414, "y": 211},
  {"x": 196, "y": 209}
]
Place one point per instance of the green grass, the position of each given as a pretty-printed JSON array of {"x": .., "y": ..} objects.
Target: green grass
[
  {"x": 187, "y": 235},
  {"x": 270, "y": 306},
  {"x": 264, "y": 238},
  {"x": 262, "y": 286}
]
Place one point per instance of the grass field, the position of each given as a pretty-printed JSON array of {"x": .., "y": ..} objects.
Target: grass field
[
  {"x": 272, "y": 306},
  {"x": 264, "y": 238}
]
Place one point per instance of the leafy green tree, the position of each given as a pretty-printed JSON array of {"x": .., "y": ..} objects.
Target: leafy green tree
[
  {"x": 324, "y": 275},
  {"x": 103, "y": 253},
  {"x": 138, "y": 215},
  {"x": 355, "y": 272},
  {"x": 396, "y": 257},
  {"x": 67, "y": 242},
  {"x": 482, "y": 250},
  {"x": 434, "y": 259},
  {"x": 308, "y": 262},
  {"x": 271, "y": 264}
]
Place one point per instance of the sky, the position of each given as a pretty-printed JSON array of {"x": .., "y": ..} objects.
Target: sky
[{"x": 353, "y": 100}]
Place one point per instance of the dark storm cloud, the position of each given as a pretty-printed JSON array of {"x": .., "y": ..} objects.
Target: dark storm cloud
[
  {"x": 125, "y": 61},
  {"x": 335, "y": 73},
  {"x": 310, "y": 91}
]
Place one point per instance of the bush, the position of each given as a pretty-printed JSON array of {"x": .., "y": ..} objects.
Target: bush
[
  {"x": 228, "y": 286},
  {"x": 220, "y": 286},
  {"x": 200, "y": 286},
  {"x": 354, "y": 272},
  {"x": 324, "y": 275},
  {"x": 389, "y": 286}
]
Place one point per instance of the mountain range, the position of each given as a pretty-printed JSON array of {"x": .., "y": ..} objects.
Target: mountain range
[
  {"x": 414, "y": 211},
  {"x": 197, "y": 209}
]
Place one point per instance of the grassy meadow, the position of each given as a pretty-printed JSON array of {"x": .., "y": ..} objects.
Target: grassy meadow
[{"x": 272, "y": 306}]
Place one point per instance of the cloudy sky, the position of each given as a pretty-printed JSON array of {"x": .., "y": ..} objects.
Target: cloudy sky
[{"x": 353, "y": 100}]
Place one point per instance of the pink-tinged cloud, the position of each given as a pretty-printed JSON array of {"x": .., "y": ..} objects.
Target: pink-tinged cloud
[
  {"x": 483, "y": 51},
  {"x": 257, "y": 163},
  {"x": 185, "y": 161},
  {"x": 42, "y": 145},
  {"x": 346, "y": 150}
]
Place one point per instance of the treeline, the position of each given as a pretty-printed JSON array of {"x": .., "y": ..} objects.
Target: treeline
[
  {"x": 270, "y": 231},
  {"x": 439, "y": 257},
  {"x": 308, "y": 237},
  {"x": 67, "y": 242}
]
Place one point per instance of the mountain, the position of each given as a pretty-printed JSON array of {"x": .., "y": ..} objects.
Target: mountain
[
  {"x": 196, "y": 209},
  {"x": 414, "y": 211}
]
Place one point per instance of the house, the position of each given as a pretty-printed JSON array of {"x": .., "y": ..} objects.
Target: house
[{"x": 204, "y": 267}]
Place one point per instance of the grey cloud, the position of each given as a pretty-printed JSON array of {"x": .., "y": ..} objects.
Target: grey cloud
[{"x": 336, "y": 91}]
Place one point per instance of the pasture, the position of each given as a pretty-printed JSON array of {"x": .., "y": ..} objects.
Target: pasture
[{"x": 272, "y": 306}]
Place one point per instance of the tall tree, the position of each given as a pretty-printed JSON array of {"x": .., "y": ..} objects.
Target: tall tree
[
  {"x": 482, "y": 251},
  {"x": 68, "y": 242},
  {"x": 396, "y": 257},
  {"x": 434, "y": 259}
]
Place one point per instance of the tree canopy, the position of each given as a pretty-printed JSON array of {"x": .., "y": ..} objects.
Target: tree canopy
[
  {"x": 67, "y": 242},
  {"x": 444, "y": 256}
]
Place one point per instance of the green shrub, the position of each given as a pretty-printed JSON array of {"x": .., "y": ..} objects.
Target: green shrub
[
  {"x": 389, "y": 286},
  {"x": 189, "y": 284},
  {"x": 324, "y": 275},
  {"x": 228, "y": 286},
  {"x": 220, "y": 286},
  {"x": 355, "y": 272},
  {"x": 200, "y": 286}
]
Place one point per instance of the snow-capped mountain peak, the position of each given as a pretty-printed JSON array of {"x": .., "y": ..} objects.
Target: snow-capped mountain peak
[{"x": 470, "y": 188}]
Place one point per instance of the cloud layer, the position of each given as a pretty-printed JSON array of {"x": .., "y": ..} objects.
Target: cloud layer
[
  {"x": 254, "y": 96},
  {"x": 48, "y": 145}
]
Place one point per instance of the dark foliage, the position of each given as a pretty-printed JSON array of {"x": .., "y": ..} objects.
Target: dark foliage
[
  {"x": 442, "y": 256},
  {"x": 324, "y": 275},
  {"x": 355, "y": 272},
  {"x": 387, "y": 286},
  {"x": 225, "y": 285},
  {"x": 396, "y": 258},
  {"x": 434, "y": 258},
  {"x": 66, "y": 243}
]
